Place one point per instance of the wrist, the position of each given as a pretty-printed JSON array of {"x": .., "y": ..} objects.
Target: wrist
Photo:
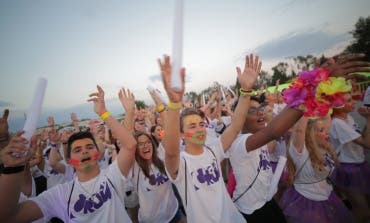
[
  {"x": 160, "y": 108},
  {"x": 243, "y": 92},
  {"x": 105, "y": 115},
  {"x": 174, "y": 105}
]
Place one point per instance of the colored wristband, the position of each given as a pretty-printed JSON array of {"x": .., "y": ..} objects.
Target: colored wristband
[
  {"x": 247, "y": 92},
  {"x": 11, "y": 170},
  {"x": 105, "y": 115},
  {"x": 53, "y": 145},
  {"x": 174, "y": 105},
  {"x": 160, "y": 108}
]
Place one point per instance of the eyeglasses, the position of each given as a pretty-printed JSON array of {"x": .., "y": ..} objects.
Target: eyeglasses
[
  {"x": 144, "y": 144},
  {"x": 254, "y": 110}
]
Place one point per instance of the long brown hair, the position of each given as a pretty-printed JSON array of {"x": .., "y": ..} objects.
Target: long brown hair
[
  {"x": 143, "y": 164},
  {"x": 314, "y": 147}
]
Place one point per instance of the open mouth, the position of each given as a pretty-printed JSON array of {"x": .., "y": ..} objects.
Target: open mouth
[
  {"x": 260, "y": 120},
  {"x": 85, "y": 159},
  {"x": 147, "y": 151}
]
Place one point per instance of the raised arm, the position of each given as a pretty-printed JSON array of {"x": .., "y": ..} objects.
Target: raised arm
[
  {"x": 343, "y": 67},
  {"x": 160, "y": 107},
  {"x": 4, "y": 129},
  {"x": 11, "y": 182},
  {"x": 246, "y": 79},
  {"x": 126, "y": 155},
  {"x": 75, "y": 122},
  {"x": 127, "y": 100},
  {"x": 171, "y": 141}
]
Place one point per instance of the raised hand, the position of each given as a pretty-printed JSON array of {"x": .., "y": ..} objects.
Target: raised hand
[
  {"x": 165, "y": 66},
  {"x": 98, "y": 99},
  {"x": 51, "y": 121},
  {"x": 127, "y": 99},
  {"x": 345, "y": 66},
  {"x": 17, "y": 145},
  {"x": 251, "y": 71},
  {"x": 74, "y": 117}
]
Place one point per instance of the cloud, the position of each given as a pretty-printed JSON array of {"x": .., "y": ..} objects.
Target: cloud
[
  {"x": 302, "y": 43},
  {"x": 155, "y": 77}
]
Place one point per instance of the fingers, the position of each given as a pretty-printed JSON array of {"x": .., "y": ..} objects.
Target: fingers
[
  {"x": 345, "y": 58},
  {"x": 6, "y": 114},
  {"x": 182, "y": 75}
]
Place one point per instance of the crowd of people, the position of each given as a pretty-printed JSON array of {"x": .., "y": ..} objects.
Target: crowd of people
[{"x": 206, "y": 161}]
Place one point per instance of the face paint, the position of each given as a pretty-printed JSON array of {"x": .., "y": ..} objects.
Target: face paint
[
  {"x": 75, "y": 163},
  {"x": 87, "y": 166},
  {"x": 96, "y": 156},
  {"x": 192, "y": 119},
  {"x": 161, "y": 134},
  {"x": 197, "y": 137}
]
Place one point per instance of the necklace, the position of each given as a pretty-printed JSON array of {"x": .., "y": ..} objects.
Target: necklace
[{"x": 91, "y": 195}]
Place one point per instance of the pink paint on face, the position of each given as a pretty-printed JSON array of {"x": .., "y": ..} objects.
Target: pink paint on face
[
  {"x": 96, "y": 155},
  {"x": 75, "y": 163}
]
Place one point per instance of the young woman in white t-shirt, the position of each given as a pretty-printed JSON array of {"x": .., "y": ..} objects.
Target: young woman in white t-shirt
[
  {"x": 311, "y": 160},
  {"x": 352, "y": 177}
]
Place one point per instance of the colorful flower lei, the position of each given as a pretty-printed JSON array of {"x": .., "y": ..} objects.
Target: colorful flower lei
[{"x": 315, "y": 93}]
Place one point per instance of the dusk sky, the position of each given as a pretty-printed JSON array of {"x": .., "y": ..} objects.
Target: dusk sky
[{"x": 79, "y": 44}]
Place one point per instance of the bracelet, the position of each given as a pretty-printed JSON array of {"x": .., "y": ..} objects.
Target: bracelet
[
  {"x": 160, "y": 108},
  {"x": 247, "y": 92},
  {"x": 4, "y": 138},
  {"x": 105, "y": 115},
  {"x": 174, "y": 105},
  {"x": 11, "y": 170}
]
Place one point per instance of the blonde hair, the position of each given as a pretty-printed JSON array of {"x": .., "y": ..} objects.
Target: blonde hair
[{"x": 314, "y": 147}]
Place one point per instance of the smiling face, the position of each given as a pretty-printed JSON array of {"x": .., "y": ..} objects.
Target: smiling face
[
  {"x": 84, "y": 154},
  {"x": 158, "y": 132},
  {"x": 145, "y": 147},
  {"x": 255, "y": 119},
  {"x": 194, "y": 130}
]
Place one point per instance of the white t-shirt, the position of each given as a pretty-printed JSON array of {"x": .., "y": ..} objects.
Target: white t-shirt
[
  {"x": 23, "y": 198},
  {"x": 279, "y": 150},
  {"x": 53, "y": 177},
  {"x": 342, "y": 133},
  {"x": 104, "y": 160},
  {"x": 156, "y": 198},
  {"x": 310, "y": 183},
  {"x": 204, "y": 196},
  {"x": 93, "y": 201},
  {"x": 246, "y": 165}
]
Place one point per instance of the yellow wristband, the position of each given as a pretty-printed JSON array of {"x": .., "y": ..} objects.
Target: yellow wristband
[
  {"x": 105, "y": 115},
  {"x": 247, "y": 92},
  {"x": 174, "y": 105},
  {"x": 160, "y": 108}
]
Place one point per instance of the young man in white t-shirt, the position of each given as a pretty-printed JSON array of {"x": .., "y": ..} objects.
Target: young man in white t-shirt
[
  {"x": 196, "y": 172},
  {"x": 93, "y": 196}
]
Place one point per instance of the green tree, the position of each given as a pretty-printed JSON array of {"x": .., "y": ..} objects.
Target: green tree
[
  {"x": 361, "y": 35},
  {"x": 280, "y": 72}
]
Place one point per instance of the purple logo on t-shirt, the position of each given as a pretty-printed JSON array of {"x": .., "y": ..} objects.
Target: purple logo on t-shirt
[
  {"x": 209, "y": 175},
  {"x": 90, "y": 205},
  {"x": 264, "y": 161},
  {"x": 157, "y": 179}
]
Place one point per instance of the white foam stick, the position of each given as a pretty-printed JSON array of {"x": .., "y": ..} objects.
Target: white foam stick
[
  {"x": 232, "y": 92},
  {"x": 158, "y": 93},
  {"x": 34, "y": 111},
  {"x": 204, "y": 99},
  {"x": 223, "y": 94},
  {"x": 276, "y": 177},
  {"x": 177, "y": 45}
]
